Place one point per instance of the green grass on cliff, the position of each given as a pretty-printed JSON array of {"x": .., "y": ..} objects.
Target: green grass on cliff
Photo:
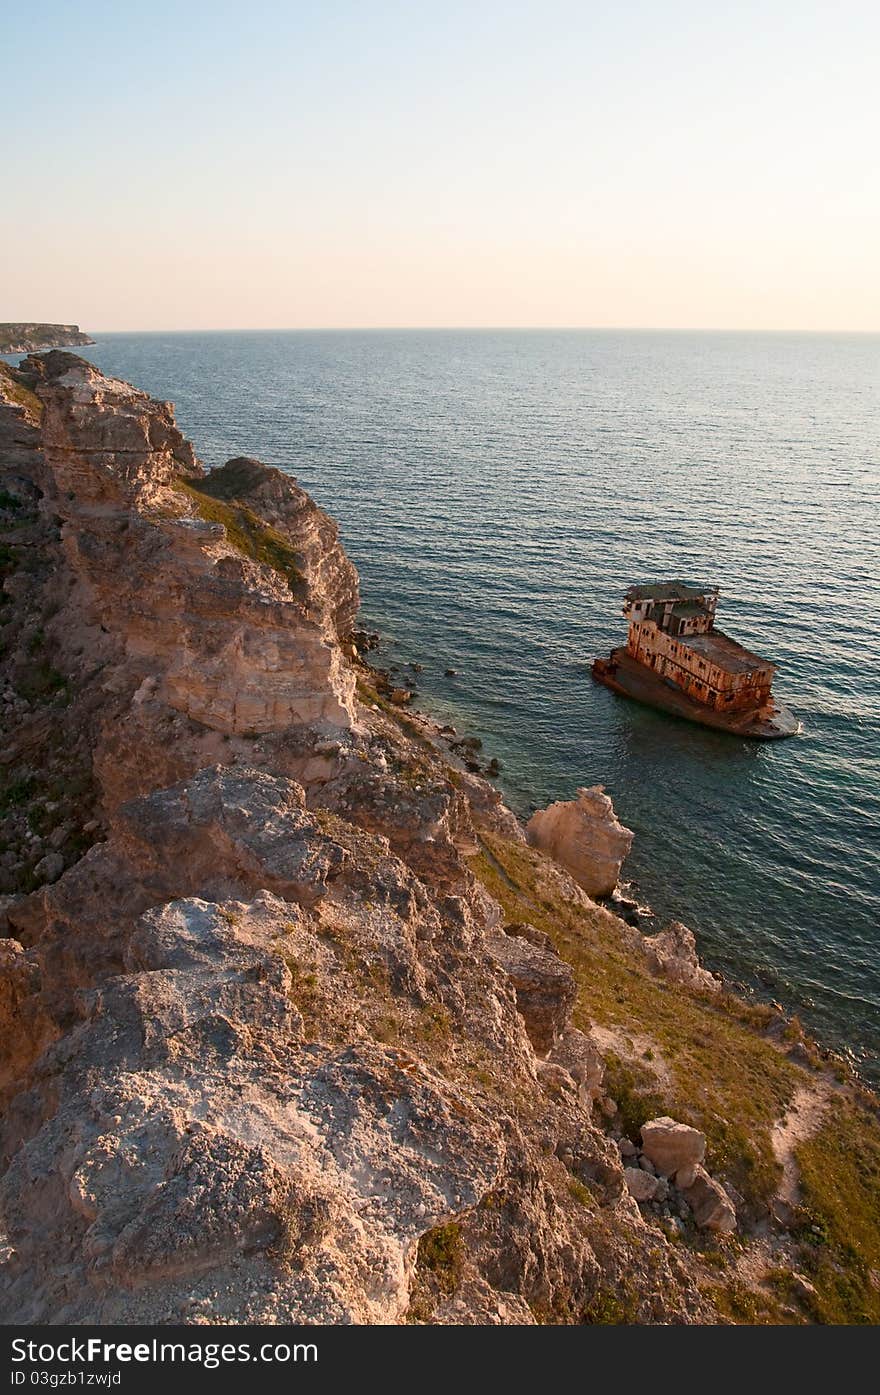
[
  {"x": 840, "y": 1181},
  {"x": 677, "y": 1053},
  {"x": 703, "y": 1060},
  {"x": 247, "y": 533},
  {"x": 22, "y": 396}
]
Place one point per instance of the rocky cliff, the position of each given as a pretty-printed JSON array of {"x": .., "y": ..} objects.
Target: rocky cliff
[
  {"x": 27, "y": 338},
  {"x": 296, "y": 1025}
]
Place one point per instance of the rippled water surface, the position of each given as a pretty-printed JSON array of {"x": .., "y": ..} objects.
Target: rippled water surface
[{"x": 499, "y": 491}]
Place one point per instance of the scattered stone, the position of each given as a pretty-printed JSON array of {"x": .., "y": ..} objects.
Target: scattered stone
[
  {"x": 803, "y": 1288},
  {"x": 710, "y": 1204},
  {"x": 582, "y": 1060},
  {"x": 627, "y": 1148},
  {"x": 671, "y": 1145},
  {"x": 686, "y": 1176},
  {"x": 783, "y": 1213},
  {"x": 608, "y": 1107},
  {"x": 645, "y": 1164},
  {"x": 49, "y": 868},
  {"x": 641, "y": 1185}
]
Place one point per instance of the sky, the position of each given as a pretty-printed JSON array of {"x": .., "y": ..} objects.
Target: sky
[{"x": 336, "y": 164}]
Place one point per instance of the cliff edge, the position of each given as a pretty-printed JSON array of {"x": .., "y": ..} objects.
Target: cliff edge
[
  {"x": 296, "y": 1025},
  {"x": 27, "y": 338}
]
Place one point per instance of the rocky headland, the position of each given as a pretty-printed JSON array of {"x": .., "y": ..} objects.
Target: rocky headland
[
  {"x": 29, "y": 338},
  {"x": 298, "y": 1024}
]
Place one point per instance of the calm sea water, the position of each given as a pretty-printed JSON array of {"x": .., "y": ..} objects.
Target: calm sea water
[{"x": 499, "y": 491}]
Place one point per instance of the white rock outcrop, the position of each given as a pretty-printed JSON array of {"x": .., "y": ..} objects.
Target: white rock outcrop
[
  {"x": 673, "y": 952},
  {"x": 671, "y": 1145},
  {"x": 585, "y": 836}
]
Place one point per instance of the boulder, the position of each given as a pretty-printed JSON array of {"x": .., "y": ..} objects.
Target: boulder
[
  {"x": 671, "y": 1145},
  {"x": 580, "y": 1056},
  {"x": 640, "y": 1185},
  {"x": 673, "y": 952},
  {"x": 544, "y": 986},
  {"x": 585, "y": 837},
  {"x": 712, "y": 1207},
  {"x": 49, "y": 868}
]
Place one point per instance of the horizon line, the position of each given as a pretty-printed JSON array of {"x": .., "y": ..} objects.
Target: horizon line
[{"x": 475, "y": 329}]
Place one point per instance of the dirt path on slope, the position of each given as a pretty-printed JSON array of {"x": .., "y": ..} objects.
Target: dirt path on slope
[{"x": 801, "y": 1121}]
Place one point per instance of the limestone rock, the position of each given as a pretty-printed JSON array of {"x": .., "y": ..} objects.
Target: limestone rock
[
  {"x": 264, "y": 1052},
  {"x": 641, "y": 1185},
  {"x": 585, "y": 837},
  {"x": 544, "y": 986},
  {"x": 49, "y": 868},
  {"x": 580, "y": 1056},
  {"x": 673, "y": 952},
  {"x": 671, "y": 1145},
  {"x": 27, "y": 338},
  {"x": 236, "y": 618},
  {"x": 712, "y": 1207},
  {"x": 686, "y": 1176}
]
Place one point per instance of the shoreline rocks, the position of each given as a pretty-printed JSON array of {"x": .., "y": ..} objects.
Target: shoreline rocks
[
  {"x": 585, "y": 837},
  {"x": 673, "y": 952}
]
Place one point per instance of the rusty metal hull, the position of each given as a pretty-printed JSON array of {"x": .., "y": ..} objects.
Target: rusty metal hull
[{"x": 625, "y": 675}]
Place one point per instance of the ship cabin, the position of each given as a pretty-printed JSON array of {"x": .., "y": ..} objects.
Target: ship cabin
[{"x": 672, "y": 631}]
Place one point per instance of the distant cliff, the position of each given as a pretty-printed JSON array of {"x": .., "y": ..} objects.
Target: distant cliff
[
  {"x": 27, "y": 338},
  {"x": 295, "y": 1026}
]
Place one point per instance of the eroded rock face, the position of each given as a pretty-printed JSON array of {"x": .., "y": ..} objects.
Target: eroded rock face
[
  {"x": 578, "y": 1054},
  {"x": 266, "y": 1037},
  {"x": 585, "y": 837},
  {"x": 543, "y": 982},
  {"x": 235, "y": 617}
]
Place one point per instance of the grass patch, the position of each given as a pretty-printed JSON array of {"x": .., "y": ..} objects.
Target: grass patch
[
  {"x": 305, "y": 990},
  {"x": 441, "y": 1253},
  {"x": 581, "y": 1193},
  {"x": 22, "y": 396},
  {"x": 747, "y": 1306},
  {"x": 247, "y": 532},
  {"x": 611, "y": 1307},
  {"x": 17, "y": 794},
  {"x": 840, "y": 1181},
  {"x": 726, "y": 1080},
  {"x": 635, "y": 1093}
]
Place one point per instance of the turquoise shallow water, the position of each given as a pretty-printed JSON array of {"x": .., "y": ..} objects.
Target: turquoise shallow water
[{"x": 499, "y": 491}]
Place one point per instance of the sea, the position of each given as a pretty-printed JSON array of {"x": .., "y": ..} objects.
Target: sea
[{"x": 499, "y": 491}]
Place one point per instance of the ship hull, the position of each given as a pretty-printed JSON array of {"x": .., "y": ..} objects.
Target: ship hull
[{"x": 625, "y": 675}]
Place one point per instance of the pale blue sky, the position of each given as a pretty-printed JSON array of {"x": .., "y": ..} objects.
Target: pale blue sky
[{"x": 266, "y": 165}]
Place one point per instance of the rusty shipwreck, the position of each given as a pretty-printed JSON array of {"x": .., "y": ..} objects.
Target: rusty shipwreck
[{"x": 676, "y": 660}]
